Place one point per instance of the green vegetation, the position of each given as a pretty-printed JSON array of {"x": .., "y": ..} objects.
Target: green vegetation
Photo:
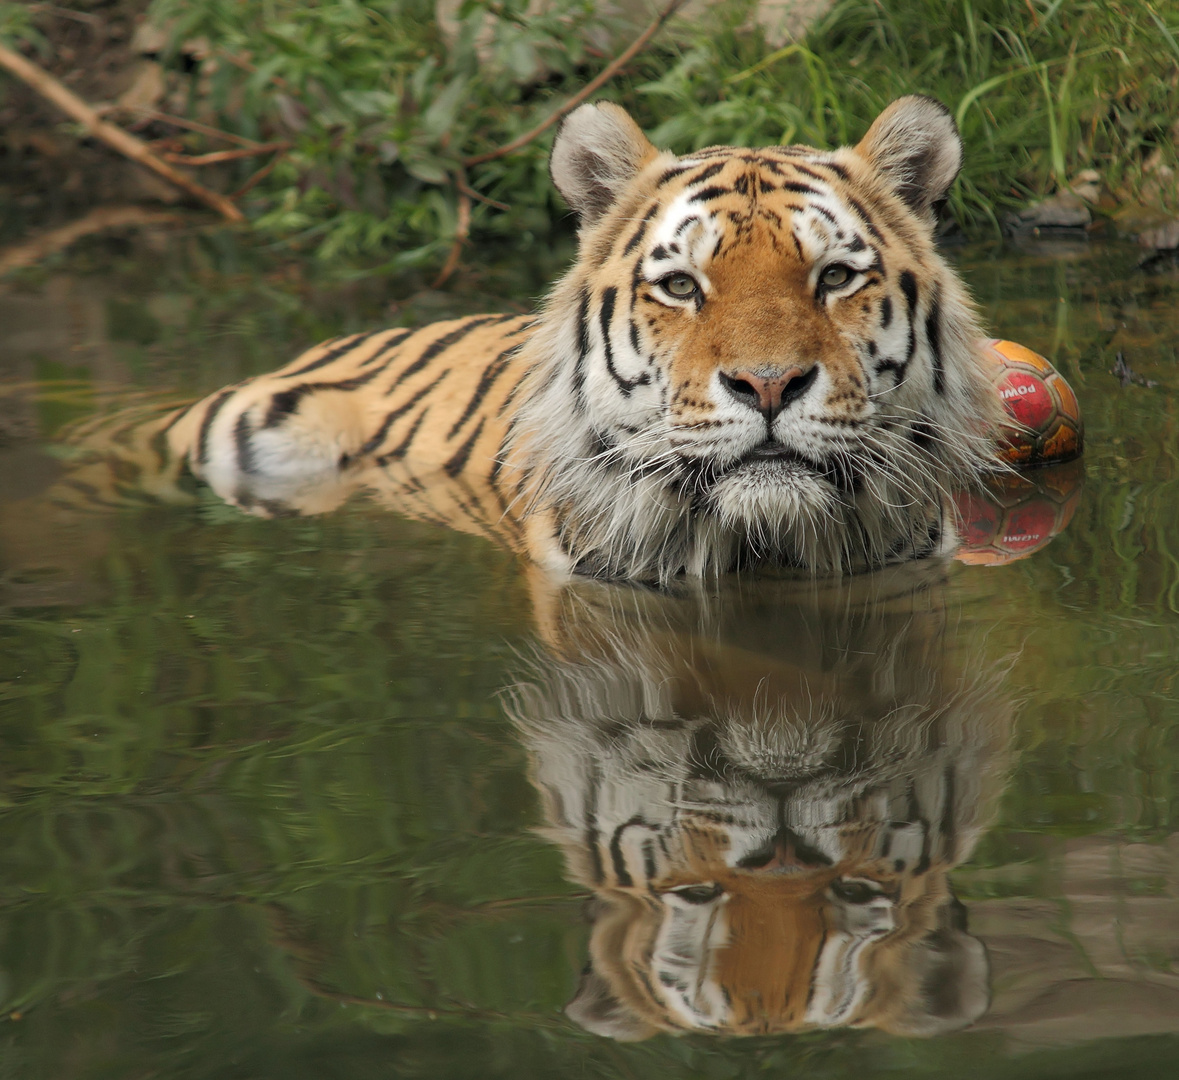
[{"x": 383, "y": 106}]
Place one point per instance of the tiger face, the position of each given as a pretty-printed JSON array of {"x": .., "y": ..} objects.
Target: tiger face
[{"x": 763, "y": 355}]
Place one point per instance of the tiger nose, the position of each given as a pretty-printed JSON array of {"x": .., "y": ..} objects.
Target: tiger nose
[{"x": 769, "y": 393}]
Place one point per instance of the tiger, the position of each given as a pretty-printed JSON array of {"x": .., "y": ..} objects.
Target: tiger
[
  {"x": 764, "y": 790},
  {"x": 758, "y": 358}
]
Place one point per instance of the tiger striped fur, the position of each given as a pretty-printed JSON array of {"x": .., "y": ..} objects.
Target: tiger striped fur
[{"x": 758, "y": 356}]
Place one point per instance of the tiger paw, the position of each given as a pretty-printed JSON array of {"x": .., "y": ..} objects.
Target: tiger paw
[{"x": 1045, "y": 424}]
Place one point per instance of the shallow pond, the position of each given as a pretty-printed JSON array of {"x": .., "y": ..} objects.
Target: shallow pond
[{"x": 357, "y": 796}]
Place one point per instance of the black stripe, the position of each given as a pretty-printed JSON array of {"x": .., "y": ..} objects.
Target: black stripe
[
  {"x": 597, "y": 871},
  {"x": 443, "y": 343},
  {"x": 839, "y": 170},
  {"x": 659, "y": 252},
  {"x": 583, "y": 348},
  {"x": 606, "y": 316},
  {"x": 241, "y": 437},
  {"x": 402, "y": 448},
  {"x": 710, "y": 193},
  {"x": 641, "y": 231},
  {"x": 211, "y": 412},
  {"x": 949, "y": 837},
  {"x": 909, "y": 288},
  {"x": 670, "y": 174},
  {"x": 347, "y": 345},
  {"x": 286, "y": 401},
  {"x": 621, "y": 873},
  {"x": 707, "y": 173},
  {"x": 490, "y": 373},
  {"x": 886, "y": 312},
  {"x": 800, "y": 189},
  {"x": 401, "y": 410},
  {"x": 634, "y": 338},
  {"x": 456, "y": 464},
  {"x": 386, "y": 347},
  {"x": 807, "y": 171},
  {"x": 933, "y": 334},
  {"x": 649, "y": 865},
  {"x": 858, "y": 207}
]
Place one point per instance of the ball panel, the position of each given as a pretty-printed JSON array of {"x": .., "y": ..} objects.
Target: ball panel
[
  {"x": 1062, "y": 444},
  {"x": 1028, "y": 399},
  {"x": 1046, "y": 417},
  {"x": 1021, "y": 354}
]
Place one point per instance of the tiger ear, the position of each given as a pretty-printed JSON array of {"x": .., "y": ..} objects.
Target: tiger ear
[
  {"x": 915, "y": 144},
  {"x": 597, "y": 1009},
  {"x": 597, "y": 152}
]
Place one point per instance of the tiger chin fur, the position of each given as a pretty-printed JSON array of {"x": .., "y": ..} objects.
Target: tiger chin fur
[{"x": 758, "y": 357}]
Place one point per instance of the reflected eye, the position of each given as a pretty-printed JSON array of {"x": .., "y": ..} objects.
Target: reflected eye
[
  {"x": 853, "y": 891},
  {"x": 836, "y": 275},
  {"x": 703, "y": 893},
  {"x": 681, "y": 286}
]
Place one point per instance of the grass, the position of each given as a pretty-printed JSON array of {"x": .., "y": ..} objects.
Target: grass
[{"x": 384, "y": 105}]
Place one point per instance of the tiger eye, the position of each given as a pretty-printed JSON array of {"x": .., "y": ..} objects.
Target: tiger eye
[
  {"x": 836, "y": 275},
  {"x": 680, "y": 286},
  {"x": 704, "y": 893}
]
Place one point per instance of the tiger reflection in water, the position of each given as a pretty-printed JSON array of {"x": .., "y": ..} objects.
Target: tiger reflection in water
[{"x": 766, "y": 790}]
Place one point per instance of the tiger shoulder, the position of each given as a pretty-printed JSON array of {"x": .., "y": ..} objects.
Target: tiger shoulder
[{"x": 758, "y": 357}]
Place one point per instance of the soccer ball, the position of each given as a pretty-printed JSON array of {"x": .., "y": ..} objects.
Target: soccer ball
[
  {"x": 1045, "y": 417},
  {"x": 1016, "y": 514}
]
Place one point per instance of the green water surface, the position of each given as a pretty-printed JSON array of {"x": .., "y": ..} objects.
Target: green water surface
[{"x": 268, "y": 808}]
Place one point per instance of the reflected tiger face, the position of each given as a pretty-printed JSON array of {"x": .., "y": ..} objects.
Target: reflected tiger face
[{"x": 767, "y": 838}]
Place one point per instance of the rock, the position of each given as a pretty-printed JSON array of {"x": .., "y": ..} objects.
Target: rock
[
  {"x": 1086, "y": 185},
  {"x": 1163, "y": 237},
  {"x": 1063, "y": 211}
]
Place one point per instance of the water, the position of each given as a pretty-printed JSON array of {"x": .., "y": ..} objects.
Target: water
[{"x": 321, "y": 797}]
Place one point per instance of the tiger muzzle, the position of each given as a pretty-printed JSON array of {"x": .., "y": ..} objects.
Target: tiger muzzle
[{"x": 769, "y": 393}]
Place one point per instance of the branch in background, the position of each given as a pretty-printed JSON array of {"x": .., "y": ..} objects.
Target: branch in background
[
  {"x": 115, "y": 137},
  {"x": 217, "y": 157},
  {"x": 461, "y": 232},
  {"x": 460, "y": 182},
  {"x": 258, "y": 177},
  {"x": 467, "y": 193},
  {"x": 606, "y": 75},
  {"x": 104, "y": 217},
  {"x": 147, "y": 115}
]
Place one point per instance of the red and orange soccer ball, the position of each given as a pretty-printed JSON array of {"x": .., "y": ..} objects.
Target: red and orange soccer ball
[
  {"x": 1017, "y": 512},
  {"x": 1045, "y": 417}
]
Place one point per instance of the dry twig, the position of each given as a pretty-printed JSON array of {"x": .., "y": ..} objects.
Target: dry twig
[
  {"x": 122, "y": 141},
  {"x": 98, "y": 220},
  {"x": 467, "y": 193},
  {"x": 611, "y": 69},
  {"x": 461, "y": 232},
  {"x": 257, "y": 178},
  {"x": 218, "y": 156},
  {"x": 147, "y": 115}
]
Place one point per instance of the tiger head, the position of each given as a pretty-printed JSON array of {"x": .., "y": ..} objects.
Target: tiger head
[
  {"x": 758, "y": 355},
  {"x": 767, "y": 833}
]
